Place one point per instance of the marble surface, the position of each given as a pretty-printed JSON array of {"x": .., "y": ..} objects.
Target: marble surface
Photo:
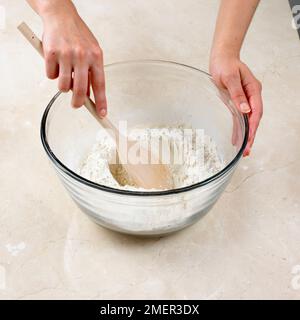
[{"x": 248, "y": 246}]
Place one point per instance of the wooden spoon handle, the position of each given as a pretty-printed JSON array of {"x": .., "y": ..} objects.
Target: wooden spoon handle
[
  {"x": 31, "y": 37},
  {"x": 89, "y": 104}
]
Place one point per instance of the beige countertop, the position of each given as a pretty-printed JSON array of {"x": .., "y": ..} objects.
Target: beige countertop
[{"x": 248, "y": 246}]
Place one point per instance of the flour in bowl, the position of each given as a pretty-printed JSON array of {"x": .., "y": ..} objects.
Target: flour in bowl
[{"x": 184, "y": 152}]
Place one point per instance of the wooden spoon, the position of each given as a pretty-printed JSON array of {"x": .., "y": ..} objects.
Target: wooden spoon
[{"x": 153, "y": 175}]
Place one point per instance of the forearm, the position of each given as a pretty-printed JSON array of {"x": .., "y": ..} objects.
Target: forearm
[
  {"x": 233, "y": 21},
  {"x": 48, "y": 8}
]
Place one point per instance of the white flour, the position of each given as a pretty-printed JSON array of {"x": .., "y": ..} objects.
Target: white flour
[{"x": 96, "y": 166}]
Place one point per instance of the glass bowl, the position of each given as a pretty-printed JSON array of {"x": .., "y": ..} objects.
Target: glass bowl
[{"x": 144, "y": 92}]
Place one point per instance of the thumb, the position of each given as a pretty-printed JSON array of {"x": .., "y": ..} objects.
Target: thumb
[{"x": 237, "y": 94}]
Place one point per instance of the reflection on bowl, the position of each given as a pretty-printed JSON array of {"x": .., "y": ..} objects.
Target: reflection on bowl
[{"x": 146, "y": 92}]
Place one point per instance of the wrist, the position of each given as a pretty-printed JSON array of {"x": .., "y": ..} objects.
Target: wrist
[
  {"x": 226, "y": 51},
  {"x": 52, "y": 9}
]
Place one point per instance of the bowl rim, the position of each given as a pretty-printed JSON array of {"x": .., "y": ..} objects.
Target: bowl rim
[{"x": 95, "y": 185}]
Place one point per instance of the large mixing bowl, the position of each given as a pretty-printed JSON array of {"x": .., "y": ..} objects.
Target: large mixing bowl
[{"x": 146, "y": 92}]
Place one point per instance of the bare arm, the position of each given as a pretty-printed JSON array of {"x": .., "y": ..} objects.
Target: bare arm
[
  {"x": 232, "y": 24},
  {"x": 72, "y": 53},
  {"x": 42, "y": 7},
  {"x": 225, "y": 66}
]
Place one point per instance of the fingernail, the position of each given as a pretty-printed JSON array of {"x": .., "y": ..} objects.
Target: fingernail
[
  {"x": 245, "y": 107},
  {"x": 102, "y": 112},
  {"x": 246, "y": 151}
]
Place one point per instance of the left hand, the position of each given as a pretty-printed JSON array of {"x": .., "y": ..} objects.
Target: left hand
[{"x": 231, "y": 73}]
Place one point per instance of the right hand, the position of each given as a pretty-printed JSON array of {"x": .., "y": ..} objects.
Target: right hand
[
  {"x": 73, "y": 55},
  {"x": 245, "y": 90}
]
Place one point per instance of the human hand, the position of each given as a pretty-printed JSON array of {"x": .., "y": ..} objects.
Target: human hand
[
  {"x": 230, "y": 73},
  {"x": 73, "y": 55}
]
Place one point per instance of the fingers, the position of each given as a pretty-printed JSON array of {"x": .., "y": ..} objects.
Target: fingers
[
  {"x": 87, "y": 68},
  {"x": 52, "y": 68},
  {"x": 98, "y": 85},
  {"x": 233, "y": 84},
  {"x": 256, "y": 103},
  {"x": 245, "y": 92},
  {"x": 89, "y": 85},
  {"x": 60, "y": 64},
  {"x": 253, "y": 90},
  {"x": 80, "y": 85},
  {"x": 65, "y": 73},
  {"x": 72, "y": 52}
]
